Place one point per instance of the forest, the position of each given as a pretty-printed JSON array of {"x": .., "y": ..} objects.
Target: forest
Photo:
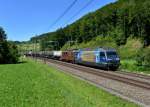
[{"x": 120, "y": 20}]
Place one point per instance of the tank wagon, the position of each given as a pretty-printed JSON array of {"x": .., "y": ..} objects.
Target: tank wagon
[
  {"x": 106, "y": 58},
  {"x": 49, "y": 54},
  {"x": 40, "y": 54},
  {"x": 57, "y": 55}
]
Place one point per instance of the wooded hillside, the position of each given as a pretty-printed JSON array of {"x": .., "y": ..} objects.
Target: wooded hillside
[{"x": 119, "y": 20}]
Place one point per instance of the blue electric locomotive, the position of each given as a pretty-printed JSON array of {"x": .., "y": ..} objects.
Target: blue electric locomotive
[{"x": 101, "y": 57}]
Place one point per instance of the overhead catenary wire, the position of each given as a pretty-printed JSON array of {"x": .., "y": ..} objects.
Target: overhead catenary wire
[
  {"x": 78, "y": 12},
  {"x": 63, "y": 14}
]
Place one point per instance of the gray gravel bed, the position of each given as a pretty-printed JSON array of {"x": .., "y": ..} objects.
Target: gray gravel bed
[{"x": 132, "y": 93}]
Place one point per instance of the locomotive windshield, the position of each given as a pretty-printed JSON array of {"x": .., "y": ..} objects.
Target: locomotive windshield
[
  {"x": 111, "y": 54},
  {"x": 102, "y": 54}
]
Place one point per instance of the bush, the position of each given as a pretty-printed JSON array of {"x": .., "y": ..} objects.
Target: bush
[
  {"x": 147, "y": 57},
  {"x": 8, "y": 53},
  {"x": 143, "y": 57},
  {"x": 131, "y": 49},
  {"x": 139, "y": 58}
]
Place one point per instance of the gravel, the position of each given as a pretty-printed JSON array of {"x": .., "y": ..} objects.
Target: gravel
[{"x": 132, "y": 93}]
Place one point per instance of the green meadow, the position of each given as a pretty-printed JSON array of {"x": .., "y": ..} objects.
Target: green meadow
[{"x": 33, "y": 84}]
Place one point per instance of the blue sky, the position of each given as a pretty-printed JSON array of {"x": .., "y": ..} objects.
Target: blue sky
[{"x": 23, "y": 19}]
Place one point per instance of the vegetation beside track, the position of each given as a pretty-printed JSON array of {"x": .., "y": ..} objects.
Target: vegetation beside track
[
  {"x": 31, "y": 84},
  {"x": 28, "y": 46},
  {"x": 131, "y": 66}
]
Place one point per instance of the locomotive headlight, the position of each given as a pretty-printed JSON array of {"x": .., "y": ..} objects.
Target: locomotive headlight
[
  {"x": 109, "y": 59},
  {"x": 117, "y": 59}
]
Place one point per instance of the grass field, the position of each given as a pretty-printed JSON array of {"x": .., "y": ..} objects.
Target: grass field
[{"x": 33, "y": 84}]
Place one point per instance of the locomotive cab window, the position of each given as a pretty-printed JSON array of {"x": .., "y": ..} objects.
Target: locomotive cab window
[{"x": 111, "y": 54}]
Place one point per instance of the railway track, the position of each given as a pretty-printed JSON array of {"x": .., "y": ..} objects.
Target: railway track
[
  {"x": 135, "y": 75},
  {"x": 138, "y": 80},
  {"x": 127, "y": 78},
  {"x": 134, "y": 88}
]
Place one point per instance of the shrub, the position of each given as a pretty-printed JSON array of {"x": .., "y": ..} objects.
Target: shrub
[
  {"x": 8, "y": 51},
  {"x": 146, "y": 57},
  {"x": 139, "y": 58},
  {"x": 143, "y": 57},
  {"x": 131, "y": 49}
]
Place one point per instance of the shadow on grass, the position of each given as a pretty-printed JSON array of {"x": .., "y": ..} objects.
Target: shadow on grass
[{"x": 20, "y": 62}]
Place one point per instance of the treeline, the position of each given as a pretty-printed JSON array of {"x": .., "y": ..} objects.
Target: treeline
[
  {"x": 8, "y": 50},
  {"x": 120, "y": 20}
]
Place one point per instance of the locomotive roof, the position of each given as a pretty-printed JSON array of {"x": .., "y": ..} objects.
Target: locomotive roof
[{"x": 99, "y": 49}]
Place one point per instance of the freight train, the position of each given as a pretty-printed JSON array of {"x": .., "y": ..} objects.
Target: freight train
[{"x": 105, "y": 58}]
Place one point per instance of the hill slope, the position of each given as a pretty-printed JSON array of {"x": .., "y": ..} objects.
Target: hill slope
[{"x": 120, "y": 20}]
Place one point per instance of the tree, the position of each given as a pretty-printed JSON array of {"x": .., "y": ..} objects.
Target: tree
[
  {"x": 2, "y": 34},
  {"x": 8, "y": 51}
]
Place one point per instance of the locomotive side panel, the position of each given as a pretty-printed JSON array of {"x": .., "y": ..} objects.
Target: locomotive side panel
[{"x": 88, "y": 56}]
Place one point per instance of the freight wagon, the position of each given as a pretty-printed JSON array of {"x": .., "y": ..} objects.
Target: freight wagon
[
  {"x": 69, "y": 56},
  {"x": 57, "y": 54}
]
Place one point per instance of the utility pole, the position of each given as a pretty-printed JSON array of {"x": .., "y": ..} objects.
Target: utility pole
[
  {"x": 32, "y": 44},
  {"x": 36, "y": 48},
  {"x": 71, "y": 42},
  {"x": 56, "y": 44},
  {"x": 76, "y": 43}
]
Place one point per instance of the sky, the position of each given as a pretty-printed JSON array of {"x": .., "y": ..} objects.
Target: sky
[{"x": 23, "y": 19}]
